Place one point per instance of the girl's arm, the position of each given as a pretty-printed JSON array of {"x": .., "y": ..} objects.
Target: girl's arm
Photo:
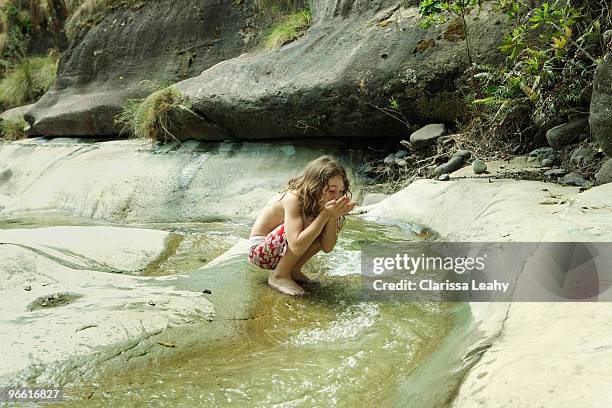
[
  {"x": 329, "y": 237},
  {"x": 298, "y": 237}
]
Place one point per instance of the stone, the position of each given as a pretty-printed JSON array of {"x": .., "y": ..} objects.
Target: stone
[
  {"x": 544, "y": 153},
  {"x": 427, "y": 135},
  {"x": 15, "y": 113},
  {"x": 547, "y": 163},
  {"x": 390, "y": 159},
  {"x": 401, "y": 163},
  {"x": 566, "y": 134},
  {"x": 285, "y": 92},
  {"x": 604, "y": 175},
  {"x": 444, "y": 177},
  {"x": 453, "y": 164},
  {"x": 479, "y": 167},
  {"x": 573, "y": 179},
  {"x": 556, "y": 173},
  {"x": 464, "y": 154},
  {"x": 400, "y": 154},
  {"x": 582, "y": 156},
  {"x": 600, "y": 112}
]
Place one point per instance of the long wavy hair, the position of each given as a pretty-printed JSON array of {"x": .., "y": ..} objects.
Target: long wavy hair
[{"x": 310, "y": 185}]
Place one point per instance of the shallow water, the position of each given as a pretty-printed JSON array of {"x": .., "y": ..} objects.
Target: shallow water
[{"x": 334, "y": 347}]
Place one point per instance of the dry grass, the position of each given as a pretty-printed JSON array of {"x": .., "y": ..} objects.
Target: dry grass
[
  {"x": 290, "y": 28},
  {"x": 28, "y": 80},
  {"x": 151, "y": 118},
  {"x": 13, "y": 129}
]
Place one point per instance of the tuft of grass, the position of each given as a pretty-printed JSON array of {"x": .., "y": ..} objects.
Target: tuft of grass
[
  {"x": 28, "y": 80},
  {"x": 290, "y": 28},
  {"x": 13, "y": 129},
  {"x": 152, "y": 117}
]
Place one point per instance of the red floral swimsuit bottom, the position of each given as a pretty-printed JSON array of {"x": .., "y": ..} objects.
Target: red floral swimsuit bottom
[{"x": 267, "y": 251}]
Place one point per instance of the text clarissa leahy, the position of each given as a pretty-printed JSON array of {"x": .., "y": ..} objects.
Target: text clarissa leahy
[{"x": 431, "y": 285}]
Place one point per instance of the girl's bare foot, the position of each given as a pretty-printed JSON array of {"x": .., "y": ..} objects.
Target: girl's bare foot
[
  {"x": 285, "y": 285},
  {"x": 299, "y": 276}
]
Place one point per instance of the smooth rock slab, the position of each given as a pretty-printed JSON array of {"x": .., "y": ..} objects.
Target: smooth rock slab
[
  {"x": 108, "y": 249},
  {"x": 52, "y": 314}
]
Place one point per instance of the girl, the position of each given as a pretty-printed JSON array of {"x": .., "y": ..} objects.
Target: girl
[{"x": 304, "y": 218}]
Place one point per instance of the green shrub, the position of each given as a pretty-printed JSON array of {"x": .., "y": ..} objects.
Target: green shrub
[
  {"x": 290, "y": 28},
  {"x": 28, "y": 80},
  {"x": 152, "y": 117},
  {"x": 13, "y": 129}
]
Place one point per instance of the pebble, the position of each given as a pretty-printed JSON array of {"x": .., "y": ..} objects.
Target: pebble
[
  {"x": 444, "y": 177},
  {"x": 547, "y": 163},
  {"x": 479, "y": 166}
]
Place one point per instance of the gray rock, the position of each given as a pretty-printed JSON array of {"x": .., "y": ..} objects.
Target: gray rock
[
  {"x": 479, "y": 167},
  {"x": 547, "y": 163},
  {"x": 427, "y": 135},
  {"x": 373, "y": 198},
  {"x": 401, "y": 163},
  {"x": 453, "y": 164},
  {"x": 600, "y": 112},
  {"x": 444, "y": 177},
  {"x": 582, "y": 155},
  {"x": 604, "y": 175},
  {"x": 556, "y": 173},
  {"x": 464, "y": 154},
  {"x": 390, "y": 159},
  {"x": 573, "y": 179},
  {"x": 15, "y": 113},
  {"x": 568, "y": 133},
  {"x": 400, "y": 154},
  {"x": 105, "y": 64},
  {"x": 544, "y": 153},
  {"x": 256, "y": 94}
]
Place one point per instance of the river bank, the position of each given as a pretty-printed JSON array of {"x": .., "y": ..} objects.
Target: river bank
[{"x": 151, "y": 191}]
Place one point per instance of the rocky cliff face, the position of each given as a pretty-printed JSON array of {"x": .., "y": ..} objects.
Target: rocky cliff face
[
  {"x": 161, "y": 41},
  {"x": 337, "y": 80}
]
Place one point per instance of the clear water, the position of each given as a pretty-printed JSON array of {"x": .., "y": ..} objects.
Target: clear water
[{"x": 334, "y": 347}]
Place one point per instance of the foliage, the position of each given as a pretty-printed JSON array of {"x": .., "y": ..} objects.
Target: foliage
[
  {"x": 28, "y": 80},
  {"x": 152, "y": 117},
  {"x": 13, "y": 129},
  {"x": 290, "y": 28},
  {"x": 548, "y": 65}
]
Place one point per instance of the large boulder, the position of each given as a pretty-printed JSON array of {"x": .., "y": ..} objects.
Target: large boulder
[
  {"x": 160, "y": 41},
  {"x": 337, "y": 80},
  {"x": 600, "y": 116}
]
